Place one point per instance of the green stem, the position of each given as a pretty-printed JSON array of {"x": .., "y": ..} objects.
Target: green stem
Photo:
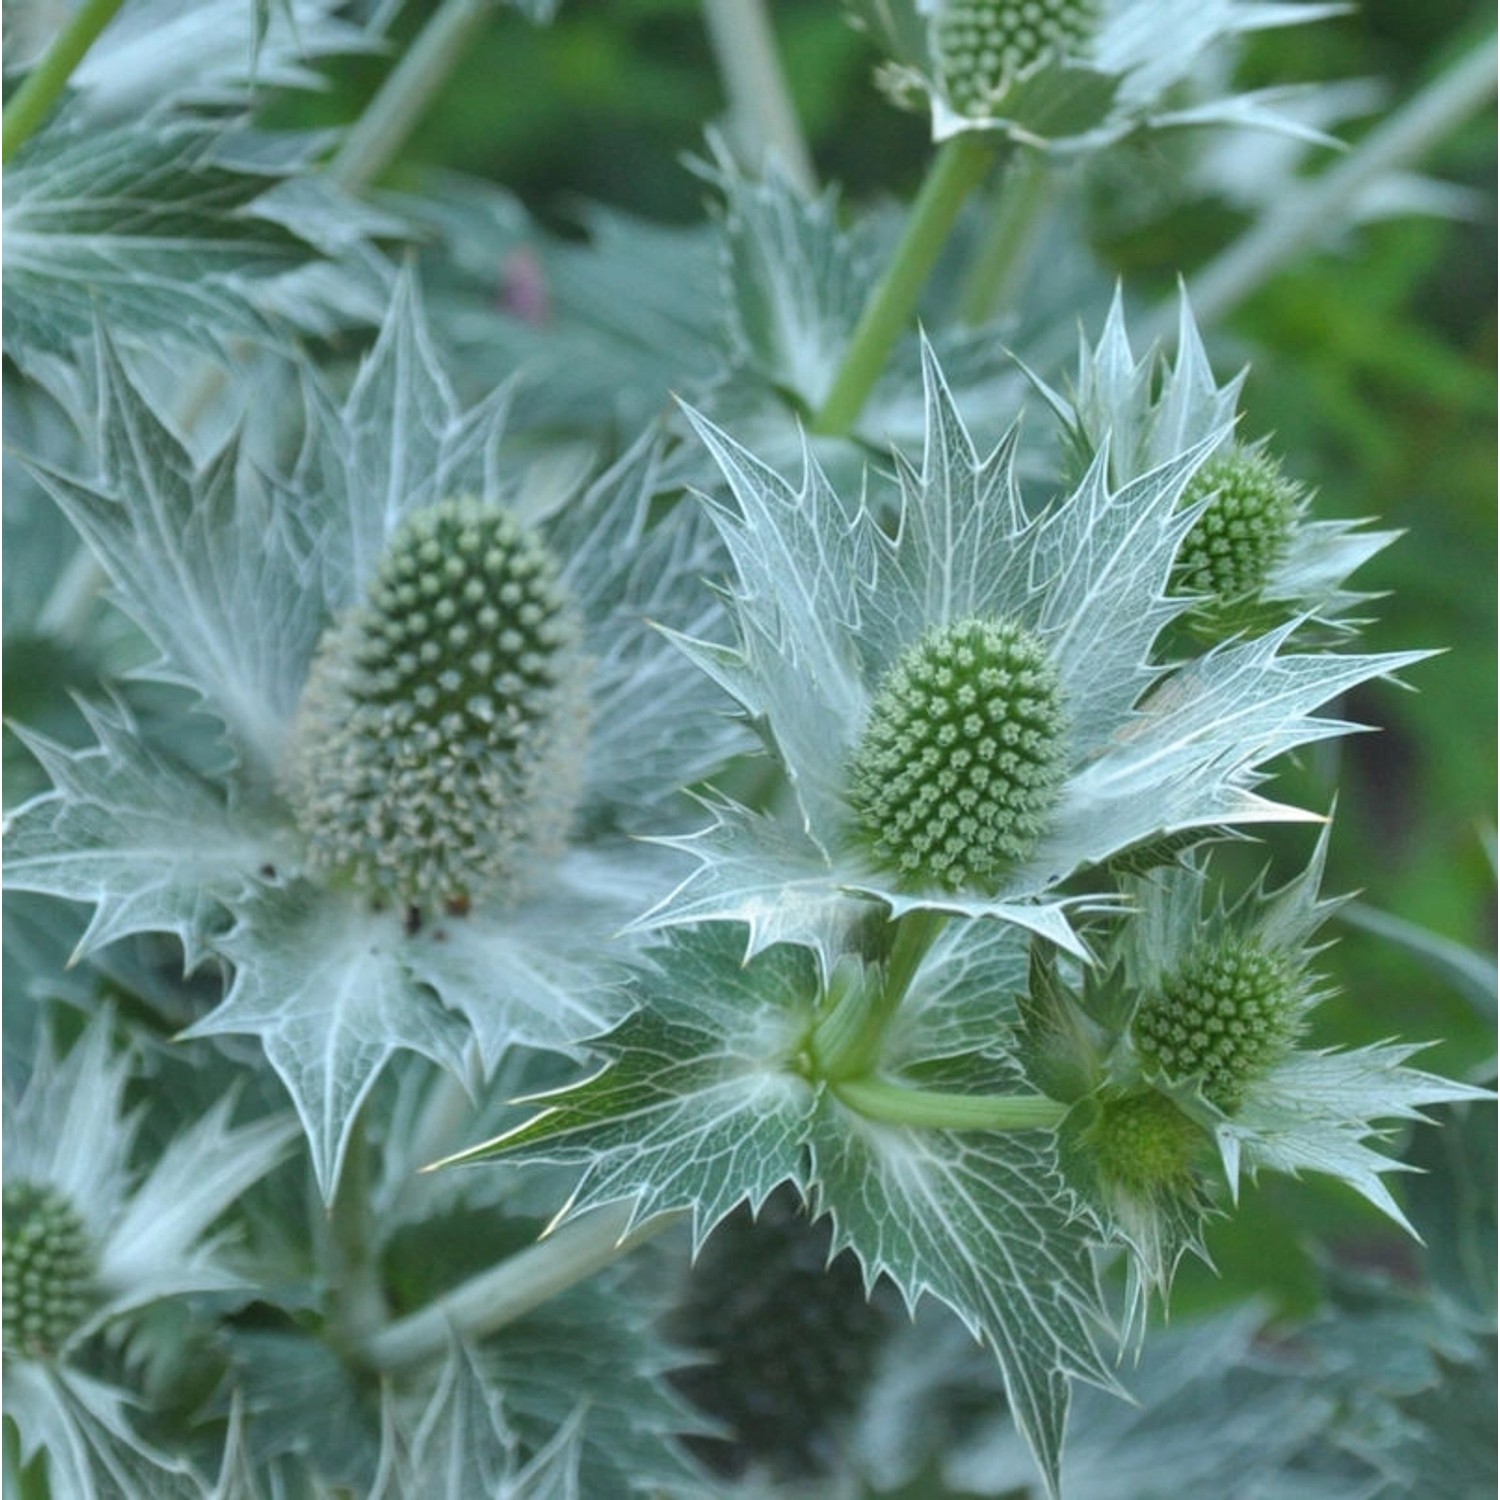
[
  {"x": 380, "y": 132},
  {"x": 44, "y": 84},
  {"x": 849, "y": 1039},
  {"x": 879, "y": 1099},
  {"x": 1307, "y": 214},
  {"x": 1016, "y": 222},
  {"x": 956, "y": 171},
  {"x": 513, "y": 1288},
  {"x": 357, "y": 1297},
  {"x": 762, "y": 116}
]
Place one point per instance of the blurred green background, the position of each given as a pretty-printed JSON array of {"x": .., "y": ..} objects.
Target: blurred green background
[{"x": 1374, "y": 368}]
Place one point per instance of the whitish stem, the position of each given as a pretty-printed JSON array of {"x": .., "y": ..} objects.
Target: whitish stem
[
  {"x": 956, "y": 171},
  {"x": 357, "y": 1296},
  {"x": 35, "y": 99},
  {"x": 1306, "y": 214},
  {"x": 380, "y": 132},
  {"x": 510, "y": 1290},
  {"x": 762, "y": 118},
  {"x": 880, "y": 1099},
  {"x": 1017, "y": 219}
]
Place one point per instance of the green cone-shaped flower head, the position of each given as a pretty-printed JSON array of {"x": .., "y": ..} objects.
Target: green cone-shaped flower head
[
  {"x": 1226, "y": 1016},
  {"x": 48, "y": 1271},
  {"x": 440, "y": 740},
  {"x": 1253, "y": 509},
  {"x": 1143, "y": 1144},
  {"x": 963, "y": 755},
  {"x": 982, "y": 46}
]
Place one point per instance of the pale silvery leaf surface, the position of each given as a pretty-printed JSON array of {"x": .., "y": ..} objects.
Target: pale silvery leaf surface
[
  {"x": 213, "y": 566},
  {"x": 982, "y": 1222},
  {"x": 144, "y": 227},
  {"x": 702, "y": 1104},
  {"x": 93, "y": 1452},
  {"x": 321, "y": 981},
  {"x": 826, "y": 603},
  {"x": 150, "y": 845}
]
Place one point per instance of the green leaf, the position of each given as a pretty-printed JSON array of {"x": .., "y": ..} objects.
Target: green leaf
[
  {"x": 213, "y": 566},
  {"x": 694, "y": 1107},
  {"x": 147, "y": 843},
  {"x": 322, "y": 983},
  {"x": 982, "y": 1221},
  {"x": 93, "y": 1451},
  {"x": 140, "y": 226}
]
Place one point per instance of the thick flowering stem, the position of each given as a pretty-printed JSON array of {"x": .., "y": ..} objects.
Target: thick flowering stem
[
  {"x": 44, "y": 85},
  {"x": 513, "y": 1288},
  {"x": 847, "y": 1042},
  {"x": 956, "y": 171},
  {"x": 381, "y": 131},
  {"x": 895, "y": 1104},
  {"x": 1016, "y": 219},
  {"x": 356, "y": 1295}
]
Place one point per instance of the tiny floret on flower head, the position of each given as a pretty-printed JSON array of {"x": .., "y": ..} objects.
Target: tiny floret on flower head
[
  {"x": 439, "y": 744},
  {"x": 1226, "y": 1016},
  {"x": 1144, "y": 1144},
  {"x": 964, "y": 754},
  {"x": 48, "y": 1270},
  {"x": 982, "y": 46},
  {"x": 1253, "y": 508}
]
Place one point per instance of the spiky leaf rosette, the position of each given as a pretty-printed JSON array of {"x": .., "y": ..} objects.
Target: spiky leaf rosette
[
  {"x": 1070, "y": 74},
  {"x": 885, "y": 671},
  {"x": 708, "y": 1099},
  {"x": 234, "y": 575},
  {"x": 1256, "y": 557},
  {"x": 439, "y": 747}
]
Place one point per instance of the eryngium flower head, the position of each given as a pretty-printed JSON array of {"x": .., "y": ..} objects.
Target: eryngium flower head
[
  {"x": 440, "y": 741},
  {"x": 982, "y": 47},
  {"x": 845, "y": 622},
  {"x": 1071, "y": 74},
  {"x": 963, "y": 755},
  {"x": 48, "y": 1269}
]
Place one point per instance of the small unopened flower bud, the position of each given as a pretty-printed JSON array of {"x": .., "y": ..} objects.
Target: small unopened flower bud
[
  {"x": 48, "y": 1270},
  {"x": 439, "y": 744},
  {"x": 1224, "y": 1018},
  {"x": 964, "y": 754},
  {"x": 1143, "y": 1145}
]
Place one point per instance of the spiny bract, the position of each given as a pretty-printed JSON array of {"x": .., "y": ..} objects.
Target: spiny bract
[
  {"x": 439, "y": 744},
  {"x": 48, "y": 1269},
  {"x": 1226, "y": 1016},
  {"x": 982, "y": 45},
  {"x": 963, "y": 755},
  {"x": 1229, "y": 554}
]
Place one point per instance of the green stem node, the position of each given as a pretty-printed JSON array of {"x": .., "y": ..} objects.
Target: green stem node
[
  {"x": 895, "y": 1104},
  {"x": 956, "y": 171},
  {"x": 513, "y": 1288},
  {"x": 44, "y": 84}
]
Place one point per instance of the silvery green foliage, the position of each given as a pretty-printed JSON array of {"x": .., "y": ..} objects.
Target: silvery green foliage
[
  {"x": 826, "y": 603},
  {"x": 1073, "y": 76},
  {"x": 68, "y": 1132},
  {"x": 1140, "y": 411},
  {"x": 234, "y": 575}
]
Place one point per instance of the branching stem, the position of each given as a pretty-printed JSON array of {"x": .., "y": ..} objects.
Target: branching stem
[
  {"x": 895, "y": 1104},
  {"x": 35, "y": 99},
  {"x": 956, "y": 171},
  {"x": 513, "y": 1288}
]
